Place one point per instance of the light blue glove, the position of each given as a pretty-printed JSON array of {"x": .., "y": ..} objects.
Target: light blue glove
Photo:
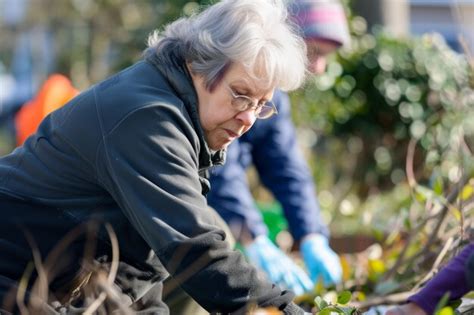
[
  {"x": 320, "y": 259},
  {"x": 279, "y": 267}
]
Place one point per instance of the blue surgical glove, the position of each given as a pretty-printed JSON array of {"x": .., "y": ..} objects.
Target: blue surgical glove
[
  {"x": 320, "y": 260},
  {"x": 277, "y": 265}
]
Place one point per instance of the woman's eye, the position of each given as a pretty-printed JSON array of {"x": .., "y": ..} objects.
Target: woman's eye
[{"x": 239, "y": 91}]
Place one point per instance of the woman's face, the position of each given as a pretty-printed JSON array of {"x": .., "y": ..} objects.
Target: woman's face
[
  {"x": 318, "y": 51},
  {"x": 221, "y": 122}
]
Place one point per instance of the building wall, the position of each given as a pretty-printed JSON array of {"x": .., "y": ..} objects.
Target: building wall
[{"x": 451, "y": 18}]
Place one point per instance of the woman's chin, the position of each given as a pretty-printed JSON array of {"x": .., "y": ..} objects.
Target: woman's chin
[{"x": 219, "y": 145}]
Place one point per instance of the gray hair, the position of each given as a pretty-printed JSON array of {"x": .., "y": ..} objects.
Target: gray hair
[{"x": 254, "y": 33}]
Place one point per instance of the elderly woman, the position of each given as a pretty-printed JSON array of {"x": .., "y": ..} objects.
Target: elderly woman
[{"x": 132, "y": 153}]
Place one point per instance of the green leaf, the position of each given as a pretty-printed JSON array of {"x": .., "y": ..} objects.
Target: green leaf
[
  {"x": 442, "y": 303},
  {"x": 344, "y": 297},
  {"x": 420, "y": 197},
  {"x": 376, "y": 268},
  {"x": 348, "y": 310},
  {"x": 378, "y": 234},
  {"x": 438, "y": 186},
  {"x": 407, "y": 223},
  {"x": 457, "y": 213},
  {"x": 325, "y": 312},
  {"x": 320, "y": 302},
  {"x": 319, "y": 286},
  {"x": 422, "y": 193},
  {"x": 455, "y": 303},
  {"x": 445, "y": 311},
  {"x": 467, "y": 192},
  {"x": 331, "y": 309}
]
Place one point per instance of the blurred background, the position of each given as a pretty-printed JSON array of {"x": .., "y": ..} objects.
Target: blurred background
[
  {"x": 405, "y": 76},
  {"x": 388, "y": 129}
]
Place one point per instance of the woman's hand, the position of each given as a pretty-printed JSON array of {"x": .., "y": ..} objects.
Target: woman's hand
[{"x": 406, "y": 309}]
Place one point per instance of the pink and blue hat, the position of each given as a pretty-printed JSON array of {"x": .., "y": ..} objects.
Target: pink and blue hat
[{"x": 321, "y": 19}]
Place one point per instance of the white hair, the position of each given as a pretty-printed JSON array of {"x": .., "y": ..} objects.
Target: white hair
[{"x": 254, "y": 33}]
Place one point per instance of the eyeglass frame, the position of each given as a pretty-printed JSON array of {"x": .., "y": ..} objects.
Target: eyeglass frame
[{"x": 251, "y": 104}]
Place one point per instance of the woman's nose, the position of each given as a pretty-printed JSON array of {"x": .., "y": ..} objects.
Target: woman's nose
[
  {"x": 247, "y": 117},
  {"x": 317, "y": 65}
]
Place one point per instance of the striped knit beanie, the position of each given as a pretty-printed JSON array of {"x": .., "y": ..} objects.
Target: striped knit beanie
[{"x": 321, "y": 19}]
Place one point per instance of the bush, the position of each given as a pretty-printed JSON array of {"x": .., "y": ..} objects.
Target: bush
[{"x": 374, "y": 99}]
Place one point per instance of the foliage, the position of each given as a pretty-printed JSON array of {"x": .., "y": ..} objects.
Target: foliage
[
  {"x": 385, "y": 91},
  {"x": 358, "y": 120},
  {"x": 391, "y": 137},
  {"x": 324, "y": 307},
  {"x": 93, "y": 39},
  {"x": 389, "y": 127},
  {"x": 422, "y": 239}
]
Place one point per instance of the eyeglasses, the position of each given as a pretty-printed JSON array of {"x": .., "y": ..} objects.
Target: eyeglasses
[{"x": 262, "y": 110}]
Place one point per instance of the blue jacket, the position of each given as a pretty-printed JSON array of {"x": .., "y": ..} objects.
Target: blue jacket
[{"x": 272, "y": 147}]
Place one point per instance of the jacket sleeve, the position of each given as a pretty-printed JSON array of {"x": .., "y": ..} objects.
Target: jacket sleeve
[
  {"x": 283, "y": 169},
  {"x": 230, "y": 196},
  {"x": 451, "y": 279},
  {"x": 148, "y": 163}
]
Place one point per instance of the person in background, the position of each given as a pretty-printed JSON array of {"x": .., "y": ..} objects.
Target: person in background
[
  {"x": 273, "y": 150},
  {"x": 56, "y": 91},
  {"x": 130, "y": 155},
  {"x": 456, "y": 279}
]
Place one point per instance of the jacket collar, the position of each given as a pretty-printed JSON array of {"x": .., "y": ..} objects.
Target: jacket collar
[{"x": 170, "y": 62}]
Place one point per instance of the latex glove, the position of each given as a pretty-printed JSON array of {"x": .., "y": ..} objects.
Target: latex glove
[
  {"x": 320, "y": 259},
  {"x": 277, "y": 265}
]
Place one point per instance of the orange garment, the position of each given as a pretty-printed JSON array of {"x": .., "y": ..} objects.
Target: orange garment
[{"x": 56, "y": 91}]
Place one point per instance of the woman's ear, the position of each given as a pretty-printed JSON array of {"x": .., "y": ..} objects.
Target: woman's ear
[
  {"x": 190, "y": 69},
  {"x": 197, "y": 79}
]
